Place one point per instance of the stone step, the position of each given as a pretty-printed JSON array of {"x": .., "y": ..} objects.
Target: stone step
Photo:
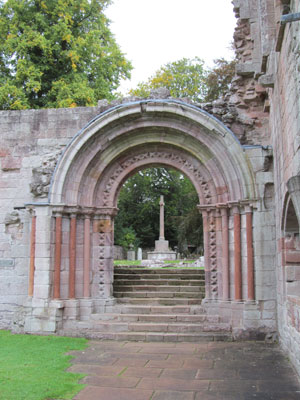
[
  {"x": 159, "y": 288},
  {"x": 156, "y": 318},
  {"x": 158, "y": 271},
  {"x": 163, "y": 282},
  {"x": 142, "y": 295},
  {"x": 157, "y": 276},
  {"x": 115, "y": 327},
  {"x": 159, "y": 336},
  {"x": 157, "y": 309},
  {"x": 159, "y": 301}
]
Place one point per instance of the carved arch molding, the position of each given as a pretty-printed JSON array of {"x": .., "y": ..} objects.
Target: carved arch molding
[
  {"x": 99, "y": 159},
  {"x": 115, "y": 176}
]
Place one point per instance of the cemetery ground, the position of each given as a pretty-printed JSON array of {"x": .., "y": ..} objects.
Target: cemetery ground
[{"x": 42, "y": 368}]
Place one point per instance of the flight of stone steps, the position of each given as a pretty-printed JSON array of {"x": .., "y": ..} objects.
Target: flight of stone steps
[{"x": 159, "y": 305}]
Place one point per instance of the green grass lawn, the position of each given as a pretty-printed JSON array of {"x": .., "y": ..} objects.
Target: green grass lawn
[
  {"x": 33, "y": 367},
  {"x": 138, "y": 262}
]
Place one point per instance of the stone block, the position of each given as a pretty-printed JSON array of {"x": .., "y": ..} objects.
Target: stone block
[
  {"x": 71, "y": 309},
  {"x": 269, "y": 315},
  {"x": 11, "y": 163},
  {"x": 265, "y": 292},
  {"x": 43, "y": 264},
  {"x": 252, "y": 314},
  {"x": 7, "y": 263},
  {"x": 39, "y": 302},
  {"x": 264, "y": 248},
  {"x": 266, "y": 81},
  {"x": 269, "y": 305},
  {"x": 247, "y": 70},
  {"x": 42, "y": 277},
  {"x": 42, "y": 291}
]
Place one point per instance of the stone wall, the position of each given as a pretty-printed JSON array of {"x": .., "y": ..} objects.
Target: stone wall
[
  {"x": 285, "y": 128},
  {"x": 262, "y": 108},
  {"x": 268, "y": 54},
  {"x": 31, "y": 142}
]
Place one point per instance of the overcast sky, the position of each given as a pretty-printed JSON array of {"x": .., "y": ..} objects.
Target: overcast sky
[{"x": 154, "y": 32}]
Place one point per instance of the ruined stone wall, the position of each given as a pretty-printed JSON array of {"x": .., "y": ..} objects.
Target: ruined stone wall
[
  {"x": 285, "y": 128},
  {"x": 245, "y": 108},
  {"x": 31, "y": 142}
]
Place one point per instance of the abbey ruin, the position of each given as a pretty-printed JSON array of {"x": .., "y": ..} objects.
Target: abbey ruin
[{"x": 62, "y": 169}]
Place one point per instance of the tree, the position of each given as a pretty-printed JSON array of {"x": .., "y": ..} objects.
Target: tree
[
  {"x": 184, "y": 78},
  {"x": 139, "y": 208},
  {"x": 57, "y": 53},
  {"x": 219, "y": 78},
  {"x": 189, "y": 78}
]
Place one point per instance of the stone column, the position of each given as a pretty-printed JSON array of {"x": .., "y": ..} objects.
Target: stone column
[
  {"x": 103, "y": 273},
  {"x": 43, "y": 268},
  {"x": 57, "y": 257},
  {"x": 161, "y": 219},
  {"x": 86, "y": 255},
  {"x": 218, "y": 273},
  {"x": 72, "y": 256},
  {"x": 225, "y": 253},
  {"x": 32, "y": 256},
  {"x": 213, "y": 254},
  {"x": 206, "y": 252},
  {"x": 250, "y": 258},
  {"x": 237, "y": 254}
]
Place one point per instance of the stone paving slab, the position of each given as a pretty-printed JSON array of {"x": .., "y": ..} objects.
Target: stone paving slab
[{"x": 185, "y": 371}]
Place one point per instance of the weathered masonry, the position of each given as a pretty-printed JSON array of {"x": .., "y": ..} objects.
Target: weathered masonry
[
  {"x": 61, "y": 172},
  {"x": 69, "y": 268}
]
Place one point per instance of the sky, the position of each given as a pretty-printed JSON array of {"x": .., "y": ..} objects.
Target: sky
[{"x": 154, "y": 32}]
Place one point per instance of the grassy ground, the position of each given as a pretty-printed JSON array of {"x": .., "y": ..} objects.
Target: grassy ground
[
  {"x": 138, "y": 262},
  {"x": 33, "y": 367}
]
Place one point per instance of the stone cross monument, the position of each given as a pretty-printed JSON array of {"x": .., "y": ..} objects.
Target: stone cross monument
[
  {"x": 162, "y": 219},
  {"x": 162, "y": 251}
]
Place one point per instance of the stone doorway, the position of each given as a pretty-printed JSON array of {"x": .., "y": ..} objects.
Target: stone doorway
[{"x": 77, "y": 247}]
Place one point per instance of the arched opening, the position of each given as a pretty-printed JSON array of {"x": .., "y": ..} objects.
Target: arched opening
[
  {"x": 291, "y": 248},
  {"x": 91, "y": 172},
  {"x": 139, "y": 212}
]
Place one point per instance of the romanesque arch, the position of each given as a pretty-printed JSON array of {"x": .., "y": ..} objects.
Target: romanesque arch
[{"x": 95, "y": 164}]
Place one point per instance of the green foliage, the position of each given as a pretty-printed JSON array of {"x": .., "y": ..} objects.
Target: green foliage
[
  {"x": 57, "y": 53},
  {"x": 126, "y": 237},
  {"x": 189, "y": 78},
  {"x": 184, "y": 78},
  {"x": 34, "y": 367},
  {"x": 219, "y": 78},
  {"x": 139, "y": 207}
]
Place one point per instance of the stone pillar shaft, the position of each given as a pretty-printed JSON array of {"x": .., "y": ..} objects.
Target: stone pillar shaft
[
  {"x": 225, "y": 253},
  {"x": 86, "y": 257},
  {"x": 206, "y": 253},
  {"x": 237, "y": 255},
  {"x": 57, "y": 259},
  {"x": 72, "y": 257},
  {"x": 32, "y": 256},
  {"x": 250, "y": 258}
]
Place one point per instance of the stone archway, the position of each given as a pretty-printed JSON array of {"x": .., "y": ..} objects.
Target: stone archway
[{"x": 91, "y": 171}]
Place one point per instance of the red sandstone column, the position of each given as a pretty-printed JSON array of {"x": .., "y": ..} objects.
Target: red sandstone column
[
  {"x": 206, "y": 253},
  {"x": 32, "y": 256},
  {"x": 250, "y": 259},
  {"x": 86, "y": 256},
  {"x": 225, "y": 253},
  {"x": 57, "y": 259},
  {"x": 72, "y": 256},
  {"x": 237, "y": 255}
]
